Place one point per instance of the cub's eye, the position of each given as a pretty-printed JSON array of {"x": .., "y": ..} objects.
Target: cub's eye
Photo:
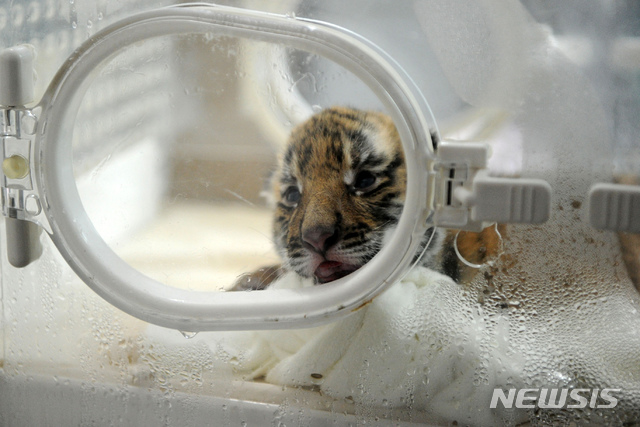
[
  {"x": 364, "y": 180},
  {"x": 291, "y": 196}
]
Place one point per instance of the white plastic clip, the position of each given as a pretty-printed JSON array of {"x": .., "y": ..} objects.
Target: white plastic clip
[
  {"x": 615, "y": 207},
  {"x": 19, "y": 199},
  {"x": 468, "y": 198},
  {"x": 16, "y": 69}
]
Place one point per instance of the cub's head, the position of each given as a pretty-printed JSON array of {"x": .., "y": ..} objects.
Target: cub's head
[{"x": 339, "y": 191}]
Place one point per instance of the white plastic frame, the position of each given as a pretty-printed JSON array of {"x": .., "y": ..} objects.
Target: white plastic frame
[{"x": 133, "y": 292}]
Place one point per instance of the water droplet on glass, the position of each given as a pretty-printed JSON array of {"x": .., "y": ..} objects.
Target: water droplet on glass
[
  {"x": 29, "y": 123},
  {"x": 188, "y": 335}
]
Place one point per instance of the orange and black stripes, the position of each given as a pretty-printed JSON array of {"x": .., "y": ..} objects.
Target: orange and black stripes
[{"x": 347, "y": 167}]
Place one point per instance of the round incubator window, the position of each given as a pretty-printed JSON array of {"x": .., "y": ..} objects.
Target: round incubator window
[{"x": 172, "y": 194}]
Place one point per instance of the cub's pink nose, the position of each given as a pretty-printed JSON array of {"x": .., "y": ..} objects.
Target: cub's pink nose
[{"x": 320, "y": 239}]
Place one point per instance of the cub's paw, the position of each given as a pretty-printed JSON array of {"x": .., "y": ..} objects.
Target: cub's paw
[{"x": 259, "y": 279}]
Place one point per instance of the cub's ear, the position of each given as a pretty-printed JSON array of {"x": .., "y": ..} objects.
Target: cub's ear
[{"x": 269, "y": 190}]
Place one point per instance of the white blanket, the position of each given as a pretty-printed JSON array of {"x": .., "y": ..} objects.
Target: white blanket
[{"x": 422, "y": 345}]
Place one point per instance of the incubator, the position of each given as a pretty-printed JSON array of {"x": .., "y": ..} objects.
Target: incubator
[{"x": 138, "y": 141}]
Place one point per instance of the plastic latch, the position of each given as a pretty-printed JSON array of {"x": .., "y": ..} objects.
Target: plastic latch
[
  {"x": 16, "y": 69},
  {"x": 21, "y": 204},
  {"x": 468, "y": 198},
  {"x": 615, "y": 207},
  {"x": 506, "y": 200}
]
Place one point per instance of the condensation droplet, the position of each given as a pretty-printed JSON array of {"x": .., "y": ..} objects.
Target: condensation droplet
[
  {"x": 3, "y": 17},
  {"x": 17, "y": 15},
  {"x": 188, "y": 335}
]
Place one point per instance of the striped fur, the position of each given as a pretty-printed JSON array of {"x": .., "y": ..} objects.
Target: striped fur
[{"x": 338, "y": 192}]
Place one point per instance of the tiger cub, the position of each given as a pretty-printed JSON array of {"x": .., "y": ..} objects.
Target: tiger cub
[{"x": 338, "y": 193}]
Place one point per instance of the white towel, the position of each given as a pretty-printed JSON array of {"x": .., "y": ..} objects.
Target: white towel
[{"x": 421, "y": 345}]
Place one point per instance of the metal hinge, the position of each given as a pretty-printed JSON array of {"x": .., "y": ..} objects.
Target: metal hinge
[{"x": 468, "y": 198}]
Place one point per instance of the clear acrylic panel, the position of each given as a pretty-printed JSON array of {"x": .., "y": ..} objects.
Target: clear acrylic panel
[
  {"x": 181, "y": 204},
  {"x": 195, "y": 203}
]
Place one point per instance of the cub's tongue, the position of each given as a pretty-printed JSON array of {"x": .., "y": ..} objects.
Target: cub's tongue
[{"x": 328, "y": 271}]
